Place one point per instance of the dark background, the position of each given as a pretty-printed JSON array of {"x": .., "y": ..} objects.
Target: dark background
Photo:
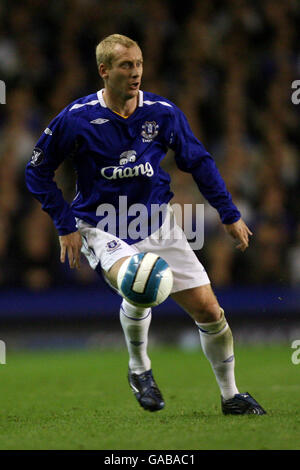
[{"x": 229, "y": 66}]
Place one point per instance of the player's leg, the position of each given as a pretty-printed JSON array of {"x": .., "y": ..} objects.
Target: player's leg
[
  {"x": 192, "y": 291},
  {"x": 135, "y": 322},
  {"x": 107, "y": 254},
  {"x": 217, "y": 344},
  {"x": 215, "y": 334}
]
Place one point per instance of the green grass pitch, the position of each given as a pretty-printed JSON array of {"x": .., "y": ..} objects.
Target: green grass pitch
[{"x": 81, "y": 400}]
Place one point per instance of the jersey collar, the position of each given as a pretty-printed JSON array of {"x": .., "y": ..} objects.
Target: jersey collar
[{"x": 103, "y": 104}]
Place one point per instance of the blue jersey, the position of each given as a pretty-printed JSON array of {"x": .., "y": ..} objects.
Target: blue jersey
[{"x": 115, "y": 156}]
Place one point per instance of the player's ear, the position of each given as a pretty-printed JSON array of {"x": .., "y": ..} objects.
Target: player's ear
[{"x": 103, "y": 71}]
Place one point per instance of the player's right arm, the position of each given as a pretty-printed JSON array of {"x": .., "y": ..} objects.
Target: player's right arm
[
  {"x": 70, "y": 245},
  {"x": 55, "y": 144}
]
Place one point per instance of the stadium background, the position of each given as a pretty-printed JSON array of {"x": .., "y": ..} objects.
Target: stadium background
[{"x": 229, "y": 66}]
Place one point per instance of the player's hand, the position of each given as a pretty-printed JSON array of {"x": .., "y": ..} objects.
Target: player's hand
[
  {"x": 70, "y": 245},
  {"x": 239, "y": 231}
]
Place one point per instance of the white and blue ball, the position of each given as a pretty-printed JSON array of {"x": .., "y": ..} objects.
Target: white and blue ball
[{"x": 145, "y": 280}]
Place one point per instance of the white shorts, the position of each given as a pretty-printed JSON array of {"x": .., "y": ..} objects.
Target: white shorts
[{"x": 169, "y": 242}]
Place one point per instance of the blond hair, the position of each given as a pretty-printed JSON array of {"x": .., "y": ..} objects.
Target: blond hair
[{"x": 105, "y": 48}]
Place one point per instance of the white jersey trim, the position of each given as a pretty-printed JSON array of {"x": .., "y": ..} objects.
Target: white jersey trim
[
  {"x": 79, "y": 105},
  {"x": 103, "y": 104},
  {"x": 141, "y": 98},
  {"x": 100, "y": 98},
  {"x": 164, "y": 103}
]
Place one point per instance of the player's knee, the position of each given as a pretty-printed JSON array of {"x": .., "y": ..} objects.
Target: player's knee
[
  {"x": 206, "y": 308},
  {"x": 112, "y": 273},
  {"x": 207, "y": 312}
]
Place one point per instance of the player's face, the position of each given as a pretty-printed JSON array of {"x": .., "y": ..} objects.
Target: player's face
[{"x": 124, "y": 76}]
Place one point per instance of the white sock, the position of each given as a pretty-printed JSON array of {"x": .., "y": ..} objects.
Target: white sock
[
  {"x": 217, "y": 344},
  {"x": 135, "y": 322}
]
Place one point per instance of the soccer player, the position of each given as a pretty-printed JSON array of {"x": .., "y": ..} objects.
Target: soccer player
[{"x": 117, "y": 138}]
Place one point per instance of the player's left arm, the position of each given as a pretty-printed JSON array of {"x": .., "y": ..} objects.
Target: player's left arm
[
  {"x": 240, "y": 232},
  {"x": 192, "y": 157}
]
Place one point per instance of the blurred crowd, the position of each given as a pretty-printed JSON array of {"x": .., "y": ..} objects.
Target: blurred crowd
[{"x": 228, "y": 65}]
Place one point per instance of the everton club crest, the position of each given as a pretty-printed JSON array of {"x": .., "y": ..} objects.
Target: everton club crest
[
  {"x": 150, "y": 131},
  {"x": 113, "y": 245}
]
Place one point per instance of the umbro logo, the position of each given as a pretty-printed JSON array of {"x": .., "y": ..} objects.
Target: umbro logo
[{"x": 99, "y": 121}]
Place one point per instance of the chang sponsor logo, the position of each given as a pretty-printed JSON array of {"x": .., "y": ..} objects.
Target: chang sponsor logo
[
  {"x": 127, "y": 156},
  {"x": 116, "y": 172}
]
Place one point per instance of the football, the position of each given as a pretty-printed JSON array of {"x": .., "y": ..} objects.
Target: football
[{"x": 145, "y": 280}]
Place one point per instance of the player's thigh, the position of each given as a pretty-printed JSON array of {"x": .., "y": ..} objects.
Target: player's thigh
[
  {"x": 104, "y": 251},
  {"x": 171, "y": 244},
  {"x": 112, "y": 274},
  {"x": 200, "y": 302}
]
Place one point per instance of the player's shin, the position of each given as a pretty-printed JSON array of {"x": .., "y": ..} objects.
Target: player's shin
[
  {"x": 135, "y": 322},
  {"x": 217, "y": 344}
]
